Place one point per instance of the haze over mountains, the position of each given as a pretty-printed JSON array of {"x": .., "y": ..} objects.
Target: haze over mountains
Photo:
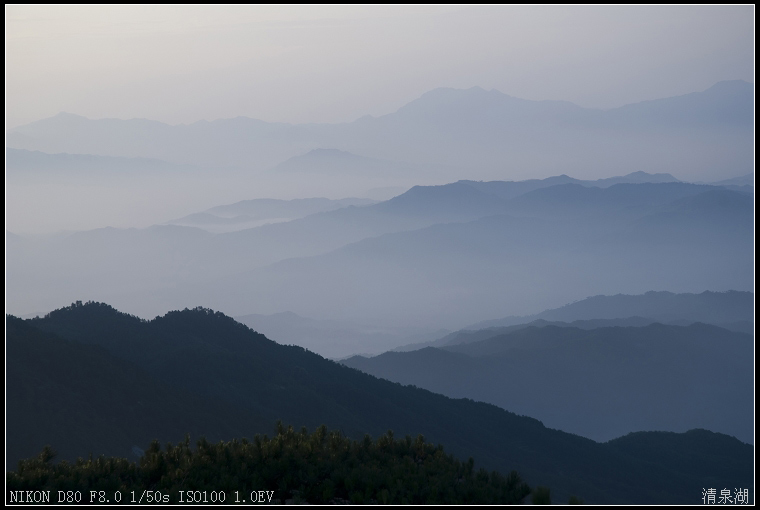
[
  {"x": 137, "y": 378},
  {"x": 723, "y": 309},
  {"x": 337, "y": 339},
  {"x": 257, "y": 212},
  {"x": 549, "y": 246},
  {"x": 590, "y": 269},
  {"x": 441, "y": 270},
  {"x": 438, "y": 257},
  {"x": 367, "y": 254},
  {"x": 475, "y": 129},
  {"x": 599, "y": 383},
  {"x": 600, "y": 367},
  {"x": 730, "y": 310},
  {"x": 443, "y": 136},
  {"x": 49, "y": 193}
]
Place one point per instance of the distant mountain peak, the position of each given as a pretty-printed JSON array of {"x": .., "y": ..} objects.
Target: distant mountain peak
[
  {"x": 67, "y": 115},
  {"x": 641, "y": 176},
  {"x": 727, "y": 85},
  {"x": 477, "y": 104},
  {"x": 90, "y": 309}
]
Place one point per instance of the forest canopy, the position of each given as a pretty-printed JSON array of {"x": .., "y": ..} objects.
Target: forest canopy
[{"x": 319, "y": 467}]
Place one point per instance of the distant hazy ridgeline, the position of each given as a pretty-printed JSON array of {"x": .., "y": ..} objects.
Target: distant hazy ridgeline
[
  {"x": 600, "y": 383},
  {"x": 470, "y": 129},
  {"x": 434, "y": 257}
]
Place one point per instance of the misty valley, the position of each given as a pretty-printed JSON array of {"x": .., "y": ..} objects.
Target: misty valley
[{"x": 390, "y": 310}]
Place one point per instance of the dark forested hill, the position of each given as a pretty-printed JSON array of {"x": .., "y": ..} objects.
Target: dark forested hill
[
  {"x": 83, "y": 399},
  {"x": 205, "y": 355}
]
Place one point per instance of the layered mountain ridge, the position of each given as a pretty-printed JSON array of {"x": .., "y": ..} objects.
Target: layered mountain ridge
[{"x": 214, "y": 357}]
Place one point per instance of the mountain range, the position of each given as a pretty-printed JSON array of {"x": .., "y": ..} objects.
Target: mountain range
[
  {"x": 438, "y": 257},
  {"x": 483, "y": 131},
  {"x": 593, "y": 330},
  {"x": 725, "y": 309},
  {"x": 499, "y": 262},
  {"x": 121, "y": 380},
  {"x": 600, "y": 383}
]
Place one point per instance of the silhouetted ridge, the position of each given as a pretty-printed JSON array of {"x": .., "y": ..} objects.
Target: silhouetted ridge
[
  {"x": 91, "y": 309},
  {"x": 213, "y": 327},
  {"x": 456, "y": 197},
  {"x": 617, "y": 197},
  {"x": 476, "y": 103},
  {"x": 666, "y": 449},
  {"x": 202, "y": 354},
  {"x": 94, "y": 322},
  {"x": 82, "y": 398},
  {"x": 642, "y": 176},
  {"x": 104, "y": 323}
]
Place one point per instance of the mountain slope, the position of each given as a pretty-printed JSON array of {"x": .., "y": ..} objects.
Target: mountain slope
[
  {"x": 600, "y": 383},
  {"x": 211, "y": 355},
  {"x": 82, "y": 399}
]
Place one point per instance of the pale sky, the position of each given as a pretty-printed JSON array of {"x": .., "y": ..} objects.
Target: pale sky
[{"x": 180, "y": 64}]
